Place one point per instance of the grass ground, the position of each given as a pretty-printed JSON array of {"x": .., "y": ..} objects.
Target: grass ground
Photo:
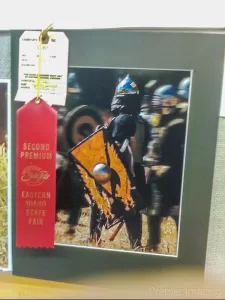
[
  {"x": 81, "y": 235},
  {"x": 3, "y": 210}
]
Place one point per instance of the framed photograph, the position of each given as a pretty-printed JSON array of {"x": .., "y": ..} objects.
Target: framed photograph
[
  {"x": 135, "y": 154},
  {"x": 158, "y": 102},
  {"x": 5, "y": 177}
]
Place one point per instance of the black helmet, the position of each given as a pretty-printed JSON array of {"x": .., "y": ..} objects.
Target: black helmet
[{"x": 126, "y": 99}]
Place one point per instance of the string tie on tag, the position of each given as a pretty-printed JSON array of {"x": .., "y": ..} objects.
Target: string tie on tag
[{"x": 43, "y": 37}]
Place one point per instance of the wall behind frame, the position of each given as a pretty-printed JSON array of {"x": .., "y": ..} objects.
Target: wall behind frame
[
  {"x": 5, "y": 53},
  {"x": 215, "y": 257}
]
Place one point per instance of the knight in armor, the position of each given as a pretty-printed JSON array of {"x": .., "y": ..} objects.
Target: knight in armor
[
  {"x": 119, "y": 131},
  {"x": 165, "y": 163},
  {"x": 130, "y": 132},
  {"x": 151, "y": 111},
  {"x": 126, "y": 101}
]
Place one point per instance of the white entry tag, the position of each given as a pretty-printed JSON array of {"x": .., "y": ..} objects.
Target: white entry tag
[{"x": 53, "y": 70}]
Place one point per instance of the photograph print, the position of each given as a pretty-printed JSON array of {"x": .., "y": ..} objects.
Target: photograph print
[{"x": 120, "y": 159}]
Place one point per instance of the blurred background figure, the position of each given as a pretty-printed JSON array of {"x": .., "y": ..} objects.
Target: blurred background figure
[
  {"x": 183, "y": 89},
  {"x": 183, "y": 95},
  {"x": 148, "y": 106},
  {"x": 70, "y": 194},
  {"x": 75, "y": 93},
  {"x": 61, "y": 142},
  {"x": 165, "y": 163}
]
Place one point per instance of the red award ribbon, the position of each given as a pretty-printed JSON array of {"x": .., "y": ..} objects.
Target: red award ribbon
[{"x": 35, "y": 175}]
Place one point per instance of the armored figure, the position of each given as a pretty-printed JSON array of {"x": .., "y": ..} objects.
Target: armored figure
[
  {"x": 183, "y": 95},
  {"x": 118, "y": 132},
  {"x": 127, "y": 101},
  {"x": 109, "y": 163},
  {"x": 149, "y": 106},
  {"x": 165, "y": 164},
  {"x": 183, "y": 89}
]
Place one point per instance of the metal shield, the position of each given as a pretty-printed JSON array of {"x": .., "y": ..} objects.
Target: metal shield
[{"x": 80, "y": 123}]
